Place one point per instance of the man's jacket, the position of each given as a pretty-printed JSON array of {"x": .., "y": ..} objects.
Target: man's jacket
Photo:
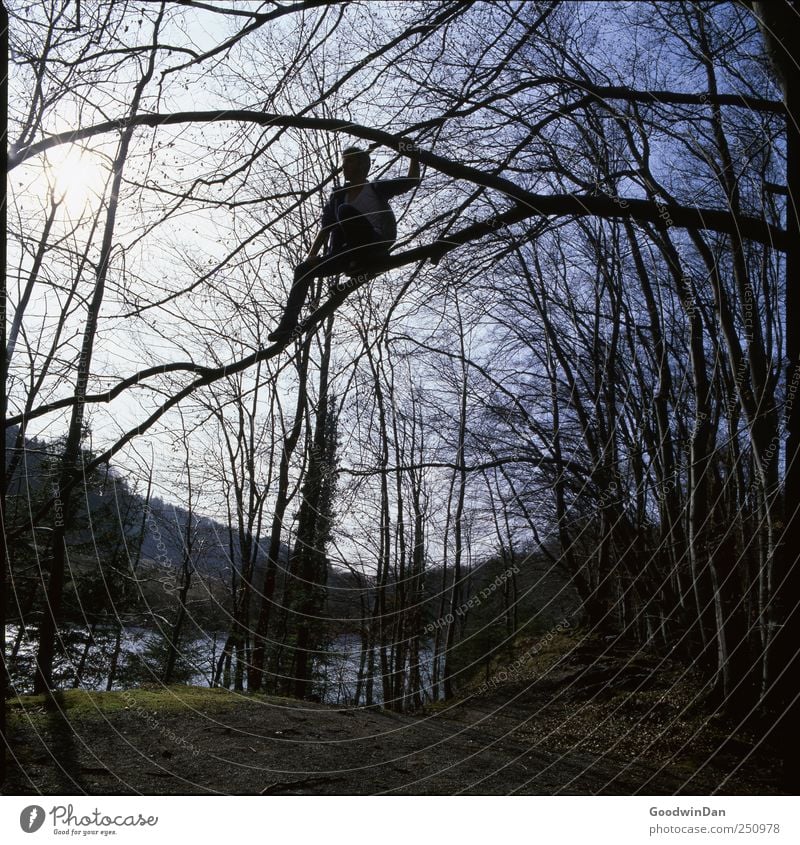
[{"x": 380, "y": 213}]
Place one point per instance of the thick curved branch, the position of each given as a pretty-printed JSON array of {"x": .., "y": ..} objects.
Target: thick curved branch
[
  {"x": 750, "y": 228},
  {"x": 563, "y": 464},
  {"x": 678, "y": 98},
  {"x": 112, "y": 393}
]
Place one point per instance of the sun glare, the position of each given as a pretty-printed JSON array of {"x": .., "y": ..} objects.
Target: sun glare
[{"x": 76, "y": 178}]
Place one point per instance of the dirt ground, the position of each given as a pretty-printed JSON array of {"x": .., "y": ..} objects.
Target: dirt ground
[{"x": 545, "y": 736}]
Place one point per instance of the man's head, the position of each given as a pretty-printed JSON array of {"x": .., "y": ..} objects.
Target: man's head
[{"x": 355, "y": 164}]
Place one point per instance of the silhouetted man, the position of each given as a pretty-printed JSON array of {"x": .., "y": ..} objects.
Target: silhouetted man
[{"x": 359, "y": 226}]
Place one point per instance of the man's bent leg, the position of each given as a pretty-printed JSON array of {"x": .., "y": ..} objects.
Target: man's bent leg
[{"x": 304, "y": 273}]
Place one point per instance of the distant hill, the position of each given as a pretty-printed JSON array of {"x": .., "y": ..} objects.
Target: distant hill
[
  {"x": 165, "y": 533},
  {"x": 164, "y": 522}
]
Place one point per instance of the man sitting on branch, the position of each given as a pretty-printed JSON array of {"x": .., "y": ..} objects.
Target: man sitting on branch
[{"x": 358, "y": 225}]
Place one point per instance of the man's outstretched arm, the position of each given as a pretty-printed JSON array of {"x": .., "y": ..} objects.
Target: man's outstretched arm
[
  {"x": 389, "y": 188},
  {"x": 413, "y": 165}
]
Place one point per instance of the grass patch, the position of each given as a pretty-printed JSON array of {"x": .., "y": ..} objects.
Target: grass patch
[{"x": 82, "y": 704}]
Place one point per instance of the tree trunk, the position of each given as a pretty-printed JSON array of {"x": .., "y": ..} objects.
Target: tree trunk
[
  {"x": 112, "y": 671},
  {"x": 4, "y": 562},
  {"x": 778, "y": 22},
  {"x": 84, "y": 655},
  {"x": 255, "y": 674},
  {"x": 43, "y": 681}
]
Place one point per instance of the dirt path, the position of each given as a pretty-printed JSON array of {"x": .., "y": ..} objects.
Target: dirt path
[{"x": 189, "y": 742}]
